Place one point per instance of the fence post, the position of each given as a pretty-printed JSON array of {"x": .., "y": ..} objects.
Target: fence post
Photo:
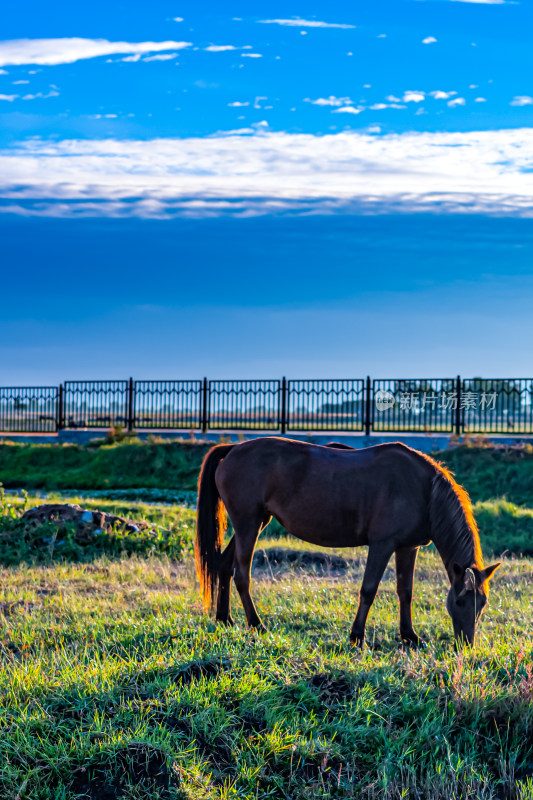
[
  {"x": 205, "y": 406},
  {"x": 458, "y": 407},
  {"x": 284, "y": 405},
  {"x": 59, "y": 420},
  {"x": 131, "y": 405},
  {"x": 368, "y": 409}
]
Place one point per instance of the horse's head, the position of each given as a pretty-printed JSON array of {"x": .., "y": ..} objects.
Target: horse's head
[{"x": 468, "y": 596}]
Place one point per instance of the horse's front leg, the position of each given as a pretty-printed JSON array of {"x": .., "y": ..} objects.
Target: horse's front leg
[
  {"x": 379, "y": 554},
  {"x": 405, "y": 571}
]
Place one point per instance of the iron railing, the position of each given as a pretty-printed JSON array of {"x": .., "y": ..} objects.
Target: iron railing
[
  {"x": 243, "y": 405},
  {"x": 31, "y": 409},
  {"x": 415, "y": 405},
  {"x": 94, "y": 404},
  {"x": 322, "y": 405},
  {"x": 409, "y": 405},
  {"x": 165, "y": 404},
  {"x": 502, "y": 404}
]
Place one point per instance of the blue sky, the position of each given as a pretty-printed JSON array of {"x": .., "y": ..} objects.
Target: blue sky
[{"x": 310, "y": 190}]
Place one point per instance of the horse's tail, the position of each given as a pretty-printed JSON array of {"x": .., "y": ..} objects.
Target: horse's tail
[{"x": 211, "y": 523}]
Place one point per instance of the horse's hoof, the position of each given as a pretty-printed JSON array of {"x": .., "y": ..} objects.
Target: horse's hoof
[
  {"x": 260, "y": 628},
  {"x": 357, "y": 641},
  {"x": 225, "y": 621},
  {"x": 414, "y": 644}
]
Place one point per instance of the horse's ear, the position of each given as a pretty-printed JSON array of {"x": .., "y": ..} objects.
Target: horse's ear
[
  {"x": 458, "y": 572},
  {"x": 488, "y": 572}
]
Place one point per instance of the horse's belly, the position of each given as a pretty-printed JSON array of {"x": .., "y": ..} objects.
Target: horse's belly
[
  {"x": 346, "y": 539},
  {"x": 324, "y": 532}
]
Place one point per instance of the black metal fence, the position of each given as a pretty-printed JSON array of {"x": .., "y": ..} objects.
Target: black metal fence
[{"x": 410, "y": 405}]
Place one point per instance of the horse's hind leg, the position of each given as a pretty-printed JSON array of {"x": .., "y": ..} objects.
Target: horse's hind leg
[
  {"x": 405, "y": 570},
  {"x": 246, "y": 534},
  {"x": 224, "y": 583}
]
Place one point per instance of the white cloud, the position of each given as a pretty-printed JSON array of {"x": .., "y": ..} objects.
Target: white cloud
[
  {"x": 480, "y": 100},
  {"x": 251, "y": 55},
  {"x": 486, "y": 2},
  {"x": 66, "y": 51},
  {"x": 178, "y": 19},
  {"x": 257, "y": 171},
  {"x": 219, "y": 48},
  {"x": 51, "y": 93},
  {"x": 8, "y": 97},
  {"x": 413, "y": 97},
  {"x": 136, "y": 57},
  {"x": 522, "y": 100},
  {"x": 382, "y": 36},
  {"x": 4, "y": 72},
  {"x": 328, "y": 101},
  {"x": 381, "y": 106},
  {"x": 439, "y": 95},
  {"x": 347, "y": 110},
  {"x": 304, "y": 23},
  {"x": 17, "y": 83},
  {"x": 161, "y": 57},
  {"x": 429, "y": 40},
  {"x": 237, "y": 104},
  {"x": 457, "y": 101}
]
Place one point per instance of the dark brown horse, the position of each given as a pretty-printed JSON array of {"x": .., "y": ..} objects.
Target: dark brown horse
[{"x": 390, "y": 497}]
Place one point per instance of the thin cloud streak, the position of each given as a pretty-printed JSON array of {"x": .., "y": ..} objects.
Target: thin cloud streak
[
  {"x": 304, "y": 23},
  {"x": 487, "y": 2}
]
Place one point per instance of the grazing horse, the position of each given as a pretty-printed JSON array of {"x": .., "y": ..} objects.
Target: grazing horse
[{"x": 390, "y": 497}]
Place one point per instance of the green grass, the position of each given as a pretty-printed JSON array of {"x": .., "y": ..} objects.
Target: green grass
[
  {"x": 505, "y": 527},
  {"x": 488, "y": 472},
  {"x": 115, "y": 684},
  {"x": 153, "y": 465}
]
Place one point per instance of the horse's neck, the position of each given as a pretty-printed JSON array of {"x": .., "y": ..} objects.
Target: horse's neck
[{"x": 456, "y": 544}]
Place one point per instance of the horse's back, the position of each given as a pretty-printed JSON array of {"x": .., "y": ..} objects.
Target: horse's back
[{"x": 335, "y": 497}]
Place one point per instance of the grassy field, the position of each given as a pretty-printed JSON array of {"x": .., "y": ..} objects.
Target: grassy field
[
  {"x": 504, "y": 526},
  {"x": 114, "y": 684}
]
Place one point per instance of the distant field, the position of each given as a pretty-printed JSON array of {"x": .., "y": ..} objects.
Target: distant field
[{"x": 485, "y": 471}]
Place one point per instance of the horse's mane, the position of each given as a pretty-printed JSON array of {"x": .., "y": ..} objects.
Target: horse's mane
[{"x": 457, "y": 526}]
